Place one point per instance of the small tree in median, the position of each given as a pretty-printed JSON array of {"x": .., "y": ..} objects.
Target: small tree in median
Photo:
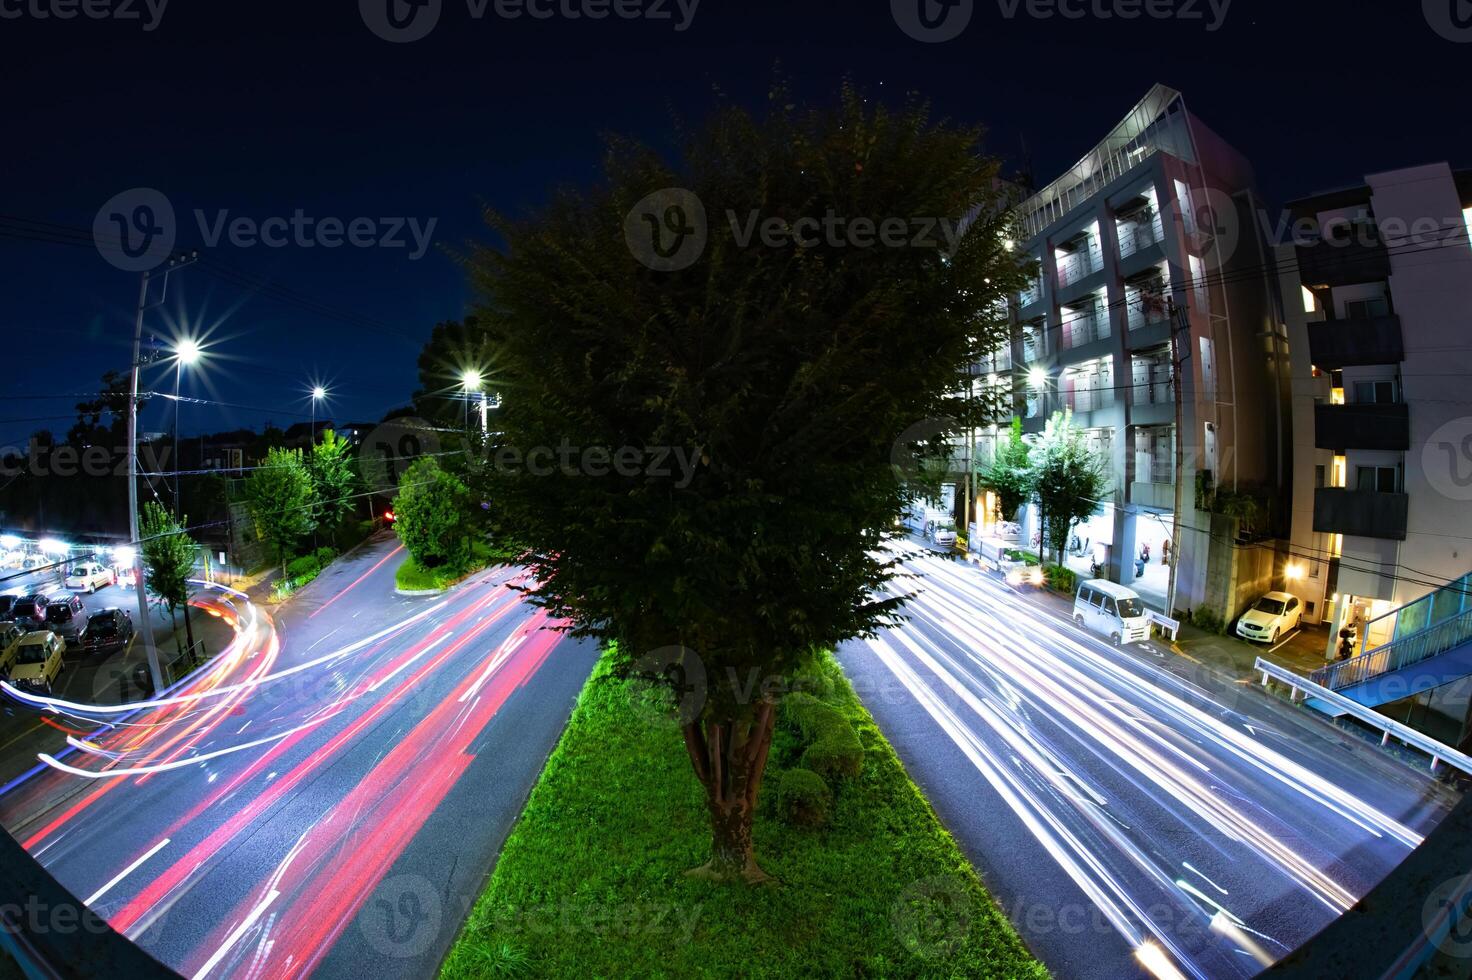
[
  {"x": 1010, "y": 475},
  {"x": 1069, "y": 480},
  {"x": 168, "y": 560},
  {"x": 330, "y": 464},
  {"x": 433, "y": 516},
  {"x": 282, "y": 502}
]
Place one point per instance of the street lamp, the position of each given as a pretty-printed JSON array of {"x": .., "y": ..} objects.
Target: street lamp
[
  {"x": 319, "y": 393},
  {"x": 471, "y": 381},
  {"x": 186, "y": 352}
]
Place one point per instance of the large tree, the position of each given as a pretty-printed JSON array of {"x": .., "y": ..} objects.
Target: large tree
[
  {"x": 169, "y": 554},
  {"x": 281, "y": 501},
  {"x": 785, "y": 374},
  {"x": 1069, "y": 479},
  {"x": 330, "y": 464},
  {"x": 434, "y": 516}
]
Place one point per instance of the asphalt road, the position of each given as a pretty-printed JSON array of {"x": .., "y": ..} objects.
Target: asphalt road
[
  {"x": 1134, "y": 814},
  {"x": 327, "y": 797}
]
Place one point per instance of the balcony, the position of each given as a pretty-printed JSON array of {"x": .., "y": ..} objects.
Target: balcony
[
  {"x": 1372, "y": 426},
  {"x": 1085, "y": 328},
  {"x": 1364, "y": 513},
  {"x": 1342, "y": 263},
  {"x": 1335, "y": 344},
  {"x": 1138, "y": 232},
  {"x": 1076, "y": 267}
]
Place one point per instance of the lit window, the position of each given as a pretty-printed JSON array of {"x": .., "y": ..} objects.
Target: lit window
[{"x": 1309, "y": 306}]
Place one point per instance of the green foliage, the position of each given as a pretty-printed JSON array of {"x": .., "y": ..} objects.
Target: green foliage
[
  {"x": 1061, "y": 578},
  {"x": 168, "y": 555},
  {"x": 1069, "y": 479},
  {"x": 303, "y": 567},
  {"x": 613, "y": 812},
  {"x": 788, "y": 374},
  {"x": 803, "y": 797},
  {"x": 281, "y": 501},
  {"x": 434, "y": 517},
  {"x": 1010, "y": 475},
  {"x": 833, "y": 750},
  {"x": 1205, "y": 619},
  {"x": 334, "y": 479}
]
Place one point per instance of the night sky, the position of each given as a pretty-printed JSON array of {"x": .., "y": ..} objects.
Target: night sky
[{"x": 265, "y": 108}]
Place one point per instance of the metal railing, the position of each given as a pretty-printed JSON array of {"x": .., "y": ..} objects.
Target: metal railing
[
  {"x": 1084, "y": 329},
  {"x": 1079, "y": 266},
  {"x": 1398, "y": 654},
  {"x": 1303, "y": 687},
  {"x": 1137, "y": 234}
]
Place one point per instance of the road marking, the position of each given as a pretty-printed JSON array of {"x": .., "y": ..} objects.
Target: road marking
[
  {"x": 234, "y": 937},
  {"x": 22, "y": 735},
  {"x": 1284, "y": 640},
  {"x": 126, "y": 871}
]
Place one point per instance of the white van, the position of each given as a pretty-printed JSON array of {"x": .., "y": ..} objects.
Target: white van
[{"x": 1111, "y": 610}]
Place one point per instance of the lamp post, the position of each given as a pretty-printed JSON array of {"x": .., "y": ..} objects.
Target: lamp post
[
  {"x": 186, "y": 352},
  {"x": 471, "y": 381},
  {"x": 319, "y": 393}
]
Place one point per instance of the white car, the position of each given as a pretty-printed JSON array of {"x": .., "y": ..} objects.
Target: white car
[
  {"x": 89, "y": 577},
  {"x": 1270, "y": 617},
  {"x": 943, "y": 535}
]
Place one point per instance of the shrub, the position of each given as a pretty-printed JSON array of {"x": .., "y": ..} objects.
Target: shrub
[
  {"x": 325, "y": 554},
  {"x": 1061, "y": 578},
  {"x": 803, "y": 797},
  {"x": 306, "y": 567},
  {"x": 834, "y": 749},
  {"x": 1203, "y": 618}
]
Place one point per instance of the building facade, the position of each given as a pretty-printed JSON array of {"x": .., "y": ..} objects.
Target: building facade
[
  {"x": 1146, "y": 252},
  {"x": 1377, "y": 289}
]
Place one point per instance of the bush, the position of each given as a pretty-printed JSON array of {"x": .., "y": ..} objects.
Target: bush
[
  {"x": 1061, "y": 578},
  {"x": 834, "y": 748},
  {"x": 803, "y": 797},
  {"x": 305, "y": 567},
  {"x": 1205, "y": 619},
  {"x": 325, "y": 554}
]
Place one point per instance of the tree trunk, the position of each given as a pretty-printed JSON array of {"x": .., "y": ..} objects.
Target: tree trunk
[
  {"x": 174, "y": 622},
  {"x": 729, "y": 756},
  {"x": 1464, "y": 744},
  {"x": 189, "y": 631}
]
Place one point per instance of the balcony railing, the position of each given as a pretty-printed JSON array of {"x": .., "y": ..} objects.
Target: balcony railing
[
  {"x": 1364, "y": 513},
  {"x": 1153, "y": 393},
  {"x": 1082, "y": 400},
  {"x": 1342, "y": 263},
  {"x": 1076, "y": 267},
  {"x": 1337, "y": 344},
  {"x": 1386, "y": 428},
  {"x": 1137, "y": 234},
  {"x": 1147, "y": 308}
]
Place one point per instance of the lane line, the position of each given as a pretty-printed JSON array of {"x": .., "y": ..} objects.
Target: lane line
[{"x": 125, "y": 872}]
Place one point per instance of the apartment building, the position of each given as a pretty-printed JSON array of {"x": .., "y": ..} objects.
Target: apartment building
[
  {"x": 1151, "y": 269},
  {"x": 1377, "y": 289}
]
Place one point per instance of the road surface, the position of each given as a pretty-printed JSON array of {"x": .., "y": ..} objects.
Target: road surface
[
  {"x": 1135, "y": 815},
  {"x": 327, "y": 797}
]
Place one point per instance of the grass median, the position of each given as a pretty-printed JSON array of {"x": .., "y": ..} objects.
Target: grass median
[{"x": 590, "y": 881}]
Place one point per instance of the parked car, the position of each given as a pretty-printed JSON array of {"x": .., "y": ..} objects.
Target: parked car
[
  {"x": 111, "y": 627},
  {"x": 127, "y": 578},
  {"x": 7, "y": 604},
  {"x": 1111, "y": 610},
  {"x": 90, "y": 576},
  {"x": 12, "y": 559},
  {"x": 10, "y": 635},
  {"x": 35, "y": 561},
  {"x": 1270, "y": 617},
  {"x": 37, "y": 660},
  {"x": 67, "y": 617},
  {"x": 29, "y": 610}
]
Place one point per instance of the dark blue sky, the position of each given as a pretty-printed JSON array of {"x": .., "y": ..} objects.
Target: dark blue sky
[{"x": 265, "y": 108}]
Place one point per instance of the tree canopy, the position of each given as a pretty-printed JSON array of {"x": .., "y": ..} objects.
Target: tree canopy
[
  {"x": 281, "y": 501},
  {"x": 434, "y": 516},
  {"x": 640, "y": 320},
  {"x": 1070, "y": 479},
  {"x": 1010, "y": 475}
]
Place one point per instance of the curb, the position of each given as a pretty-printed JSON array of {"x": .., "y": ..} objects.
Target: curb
[{"x": 419, "y": 593}]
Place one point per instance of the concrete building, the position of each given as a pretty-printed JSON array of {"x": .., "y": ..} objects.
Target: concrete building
[
  {"x": 1151, "y": 269},
  {"x": 1377, "y": 289}
]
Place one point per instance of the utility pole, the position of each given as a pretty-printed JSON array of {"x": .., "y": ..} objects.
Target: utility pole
[
  {"x": 139, "y": 577},
  {"x": 1179, "y": 352}
]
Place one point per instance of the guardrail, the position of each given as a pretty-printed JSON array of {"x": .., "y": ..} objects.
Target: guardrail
[
  {"x": 1305, "y": 688},
  {"x": 1398, "y": 654}
]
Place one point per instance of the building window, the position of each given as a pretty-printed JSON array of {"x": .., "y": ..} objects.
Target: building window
[
  {"x": 1377, "y": 479},
  {"x": 1308, "y": 608},
  {"x": 1374, "y": 392},
  {"x": 1309, "y": 305},
  {"x": 1366, "y": 309}
]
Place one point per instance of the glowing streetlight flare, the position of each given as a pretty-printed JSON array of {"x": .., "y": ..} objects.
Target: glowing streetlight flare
[
  {"x": 1037, "y": 376},
  {"x": 471, "y": 380},
  {"x": 319, "y": 393},
  {"x": 187, "y": 351}
]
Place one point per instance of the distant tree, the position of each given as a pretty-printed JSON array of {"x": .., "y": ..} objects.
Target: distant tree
[
  {"x": 787, "y": 375},
  {"x": 434, "y": 516},
  {"x": 103, "y": 421},
  {"x": 281, "y": 501},
  {"x": 169, "y": 554},
  {"x": 454, "y": 347},
  {"x": 334, "y": 479},
  {"x": 1010, "y": 475},
  {"x": 1070, "y": 479}
]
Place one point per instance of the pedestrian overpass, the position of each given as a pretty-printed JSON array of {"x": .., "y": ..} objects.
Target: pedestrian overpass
[{"x": 1430, "y": 645}]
